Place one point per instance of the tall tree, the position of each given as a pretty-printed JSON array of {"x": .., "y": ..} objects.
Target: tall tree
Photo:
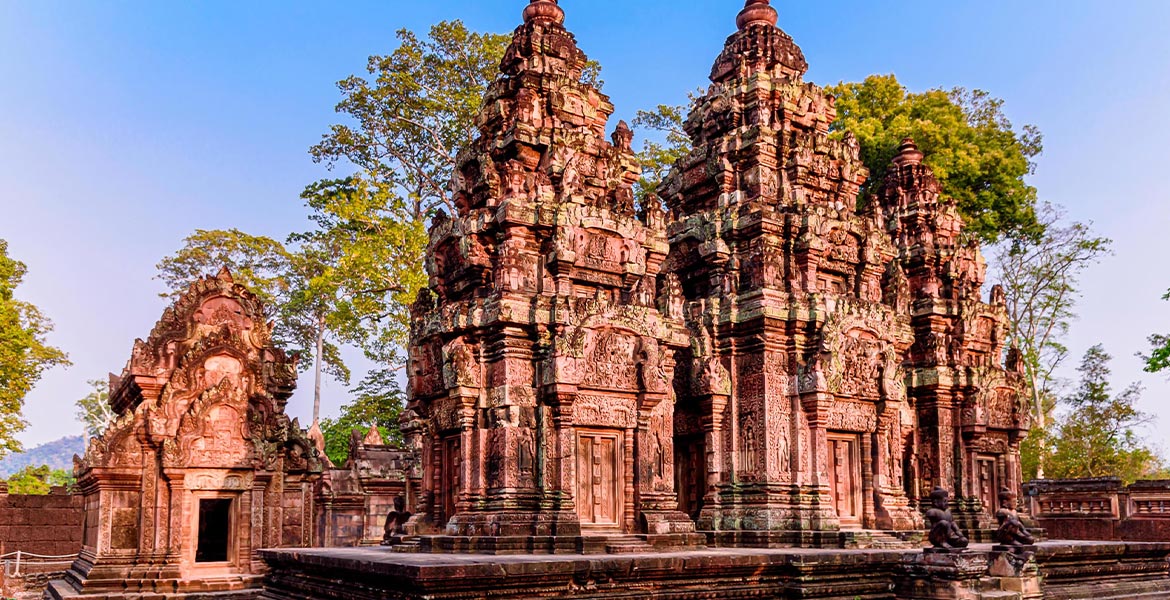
[
  {"x": 380, "y": 248},
  {"x": 24, "y": 351},
  {"x": 1159, "y": 358},
  {"x": 404, "y": 126},
  {"x": 979, "y": 158},
  {"x": 1099, "y": 435},
  {"x": 257, "y": 262},
  {"x": 94, "y": 409},
  {"x": 409, "y": 120},
  {"x": 1040, "y": 276},
  {"x": 297, "y": 284}
]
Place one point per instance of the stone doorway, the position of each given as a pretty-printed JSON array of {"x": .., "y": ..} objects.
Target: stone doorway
[
  {"x": 600, "y": 479},
  {"x": 215, "y": 530},
  {"x": 449, "y": 486},
  {"x": 845, "y": 477}
]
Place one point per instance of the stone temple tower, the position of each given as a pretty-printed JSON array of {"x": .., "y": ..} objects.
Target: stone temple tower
[
  {"x": 541, "y": 366},
  {"x": 792, "y": 402},
  {"x": 971, "y": 419}
]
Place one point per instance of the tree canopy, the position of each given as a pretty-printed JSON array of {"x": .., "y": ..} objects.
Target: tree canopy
[
  {"x": 410, "y": 118},
  {"x": 980, "y": 159},
  {"x": 24, "y": 352},
  {"x": 38, "y": 481},
  {"x": 1041, "y": 278},
  {"x": 93, "y": 410},
  {"x": 1158, "y": 360},
  {"x": 378, "y": 403},
  {"x": 1098, "y": 437},
  {"x": 294, "y": 282}
]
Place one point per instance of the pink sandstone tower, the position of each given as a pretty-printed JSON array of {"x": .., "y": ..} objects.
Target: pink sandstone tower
[{"x": 542, "y": 355}]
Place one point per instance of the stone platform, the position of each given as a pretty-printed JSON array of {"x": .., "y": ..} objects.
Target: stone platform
[{"x": 1062, "y": 570}]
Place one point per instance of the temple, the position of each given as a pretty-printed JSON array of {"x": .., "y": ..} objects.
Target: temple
[
  {"x": 201, "y": 467},
  {"x": 764, "y": 355}
]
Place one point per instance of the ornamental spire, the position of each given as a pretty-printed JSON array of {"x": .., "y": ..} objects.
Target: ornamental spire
[
  {"x": 908, "y": 153},
  {"x": 544, "y": 11},
  {"x": 756, "y": 12}
]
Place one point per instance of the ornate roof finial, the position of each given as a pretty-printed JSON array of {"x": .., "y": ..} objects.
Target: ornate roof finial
[
  {"x": 756, "y": 12},
  {"x": 908, "y": 154},
  {"x": 544, "y": 11},
  {"x": 225, "y": 274}
]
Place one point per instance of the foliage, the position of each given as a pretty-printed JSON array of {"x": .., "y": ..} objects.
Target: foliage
[
  {"x": 407, "y": 122},
  {"x": 979, "y": 158},
  {"x": 294, "y": 283},
  {"x": 379, "y": 402},
  {"x": 416, "y": 112},
  {"x": 257, "y": 262},
  {"x": 1098, "y": 437},
  {"x": 24, "y": 353},
  {"x": 1159, "y": 358},
  {"x": 658, "y": 158},
  {"x": 380, "y": 248},
  {"x": 38, "y": 481},
  {"x": 94, "y": 409},
  {"x": 1040, "y": 276}
]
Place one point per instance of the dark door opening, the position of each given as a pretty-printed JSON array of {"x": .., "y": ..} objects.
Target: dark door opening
[{"x": 215, "y": 522}]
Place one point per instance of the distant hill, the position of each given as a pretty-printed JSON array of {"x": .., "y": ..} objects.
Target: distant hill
[{"x": 57, "y": 454}]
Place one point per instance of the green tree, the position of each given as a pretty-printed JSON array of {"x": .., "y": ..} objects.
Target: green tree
[
  {"x": 94, "y": 409},
  {"x": 1159, "y": 357},
  {"x": 1098, "y": 436},
  {"x": 296, "y": 283},
  {"x": 24, "y": 352},
  {"x": 257, "y": 262},
  {"x": 38, "y": 481},
  {"x": 979, "y": 158},
  {"x": 415, "y": 112},
  {"x": 658, "y": 157},
  {"x": 378, "y": 403},
  {"x": 404, "y": 126},
  {"x": 1041, "y": 276}
]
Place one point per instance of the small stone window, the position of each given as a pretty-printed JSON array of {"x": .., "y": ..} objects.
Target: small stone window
[{"x": 215, "y": 524}]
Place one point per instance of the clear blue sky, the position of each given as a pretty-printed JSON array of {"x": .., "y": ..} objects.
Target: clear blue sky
[{"x": 126, "y": 125}]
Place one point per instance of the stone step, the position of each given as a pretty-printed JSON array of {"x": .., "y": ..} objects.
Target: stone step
[
  {"x": 1000, "y": 595},
  {"x": 627, "y": 544},
  {"x": 407, "y": 544}
]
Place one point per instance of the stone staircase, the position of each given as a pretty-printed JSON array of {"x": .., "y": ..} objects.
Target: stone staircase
[
  {"x": 877, "y": 540},
  {"x": 626, "y": 544}
]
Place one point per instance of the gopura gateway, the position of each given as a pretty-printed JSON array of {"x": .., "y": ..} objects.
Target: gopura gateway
[{"x": 754, "y": 355}]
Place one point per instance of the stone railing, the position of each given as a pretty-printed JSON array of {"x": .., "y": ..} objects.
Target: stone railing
[{"x": 1101, "y": 509}]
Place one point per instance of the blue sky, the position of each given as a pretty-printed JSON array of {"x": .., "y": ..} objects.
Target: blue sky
[{"x": 126, "y": 125}]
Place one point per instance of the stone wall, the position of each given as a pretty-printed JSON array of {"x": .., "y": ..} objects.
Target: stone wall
[
  {"x": 1101, "y": 509},
  {"x": 43, "y": 525},
  {"x": 48, "y": 525}
]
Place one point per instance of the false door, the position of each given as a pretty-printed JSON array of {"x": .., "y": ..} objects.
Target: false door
[
  {"x": 450, "y": 476},
  {"x": 599, "y": 479},
  {"x": 988, "y": 483},
  {"x": 690, "y": 469},
  {"x": 845, "y": 478}
]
